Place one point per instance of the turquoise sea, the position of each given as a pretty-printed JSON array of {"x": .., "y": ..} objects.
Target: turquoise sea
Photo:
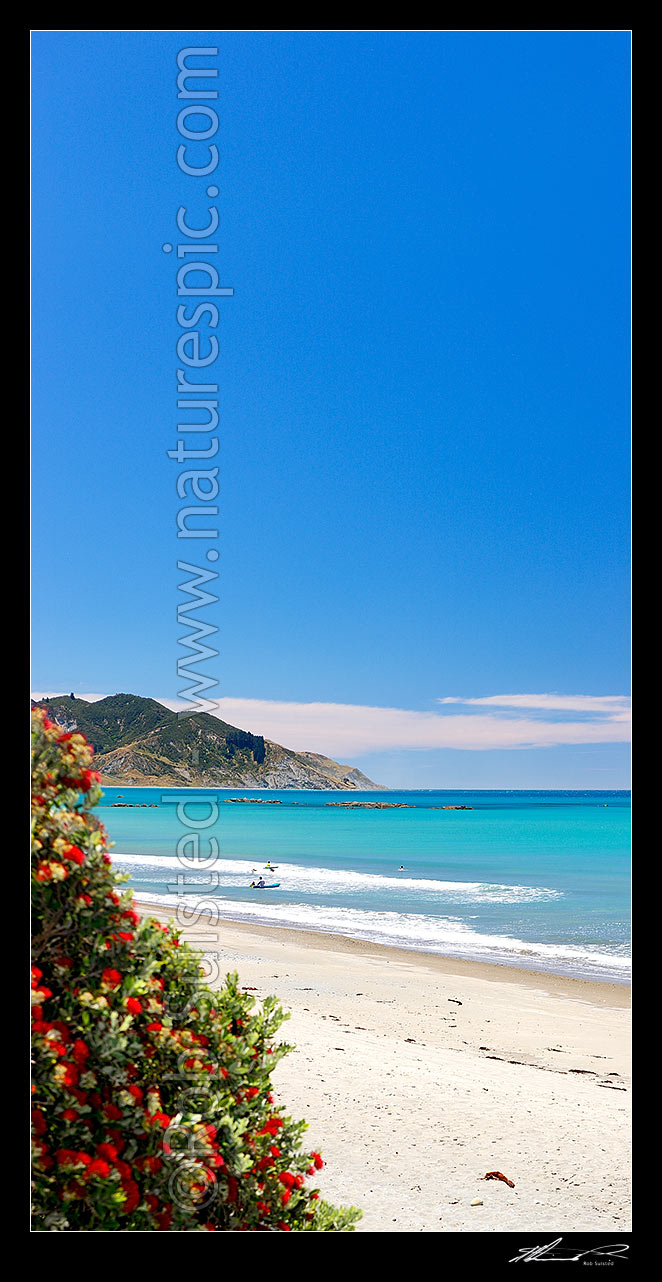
[{"x": 532, "y": 879}]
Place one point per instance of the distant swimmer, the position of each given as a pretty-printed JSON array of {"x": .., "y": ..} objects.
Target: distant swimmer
[{"x": 401, "y": 868}]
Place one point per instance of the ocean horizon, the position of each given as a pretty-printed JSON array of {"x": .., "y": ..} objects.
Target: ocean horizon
[{"x": 537, "y": 879}]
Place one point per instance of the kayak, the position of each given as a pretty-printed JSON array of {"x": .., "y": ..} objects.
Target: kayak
[
  {"x": 274, "y": 886},
  {"x": 270, "y": 867}
]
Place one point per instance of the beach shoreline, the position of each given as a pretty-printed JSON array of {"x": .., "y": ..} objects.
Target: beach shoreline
[
  {"x": 457, "y": 1068},
  {"x": 537, "y": 883},
  {"x": 597, "y": 991}
]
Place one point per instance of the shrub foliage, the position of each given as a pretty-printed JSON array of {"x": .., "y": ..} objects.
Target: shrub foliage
[{"x": 152, "y": 1106}]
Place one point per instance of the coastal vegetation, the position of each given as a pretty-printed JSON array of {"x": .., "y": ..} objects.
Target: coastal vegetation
[
  {"x": 152, "y": 1101},
  {"x": 243, "y": 741}
]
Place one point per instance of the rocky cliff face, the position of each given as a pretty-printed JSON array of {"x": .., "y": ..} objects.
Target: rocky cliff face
[{"x": 139, "y": 742}]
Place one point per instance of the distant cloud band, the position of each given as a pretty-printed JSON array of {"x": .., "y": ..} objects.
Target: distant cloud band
[
  {"x": 611, "y": 703},
  {"x": 350, "y": 730},
  {"x": 337, "y": 729}
]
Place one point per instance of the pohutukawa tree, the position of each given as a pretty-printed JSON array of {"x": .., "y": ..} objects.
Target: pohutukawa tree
[{"x": 152, "y": 1106}]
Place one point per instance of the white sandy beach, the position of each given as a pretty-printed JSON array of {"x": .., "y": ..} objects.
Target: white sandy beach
[{"x": 419, "y": 1074}]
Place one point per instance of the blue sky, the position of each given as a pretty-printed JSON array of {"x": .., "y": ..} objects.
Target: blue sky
[{"x": 424, "y": 388}]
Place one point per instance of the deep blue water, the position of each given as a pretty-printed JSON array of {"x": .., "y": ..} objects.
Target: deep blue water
[{"x": 534, "y": 879}]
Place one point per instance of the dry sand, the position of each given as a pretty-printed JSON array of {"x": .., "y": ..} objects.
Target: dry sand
[{"x": 418, "y": 1074}]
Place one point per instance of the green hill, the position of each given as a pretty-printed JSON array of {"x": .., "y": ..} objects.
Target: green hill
[{"x": 140, "y": 742}]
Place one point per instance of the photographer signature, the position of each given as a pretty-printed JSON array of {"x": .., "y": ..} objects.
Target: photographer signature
[{"x": 555, "y": 1252}]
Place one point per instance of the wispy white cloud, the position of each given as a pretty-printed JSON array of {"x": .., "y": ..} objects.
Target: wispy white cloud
[
  {"x": 607, "y": 703},
  {"x": 349, "y": 730},
  {"x": 346, "y": 730}
]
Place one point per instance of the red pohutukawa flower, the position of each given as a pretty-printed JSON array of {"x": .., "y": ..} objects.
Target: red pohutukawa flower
[
  {"x": 152, "y": 1107},
  {"x": 80, "y": 1051},
  {"x": 75, "y": 854}
]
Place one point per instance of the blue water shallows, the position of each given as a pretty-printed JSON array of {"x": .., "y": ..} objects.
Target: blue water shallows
[{"x": 532, "y": 879}]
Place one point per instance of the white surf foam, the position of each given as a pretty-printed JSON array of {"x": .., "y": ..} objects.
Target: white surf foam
[
  {"x": 304, "y": 880},
  {"x": 446, "y": 935}
]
